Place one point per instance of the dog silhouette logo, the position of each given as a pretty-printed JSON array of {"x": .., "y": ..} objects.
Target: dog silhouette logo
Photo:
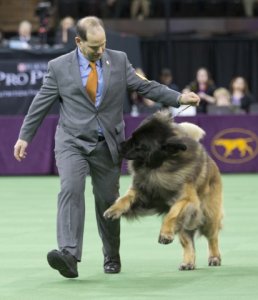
[{"x": 235, "y": 145}]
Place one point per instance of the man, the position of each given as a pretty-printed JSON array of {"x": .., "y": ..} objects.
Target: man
[
  {"x": 166, "y": 78},
  {"x": 90, "y": 83},
  {"x": 66, "y": 28},
  {"x": 24, "y": 40}
]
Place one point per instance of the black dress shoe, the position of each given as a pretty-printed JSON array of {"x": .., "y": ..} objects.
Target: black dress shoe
[
  {"x": 112, "y": 265},
  {"x": 64, "y": 262}
]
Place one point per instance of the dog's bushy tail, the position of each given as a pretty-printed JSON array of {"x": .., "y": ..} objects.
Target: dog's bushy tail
[{"x": 193, "y": 131}]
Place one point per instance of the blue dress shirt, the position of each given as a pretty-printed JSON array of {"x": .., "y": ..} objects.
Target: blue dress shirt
[{"x": 85, "y": 69}]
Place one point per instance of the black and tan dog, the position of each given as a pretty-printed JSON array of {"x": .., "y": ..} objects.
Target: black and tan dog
[{"x": 174, "y": 176}]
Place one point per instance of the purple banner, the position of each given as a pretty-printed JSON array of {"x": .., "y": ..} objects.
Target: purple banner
[
  {"x": 232, "y": 141},
  {"x": 40, "y": 159}
]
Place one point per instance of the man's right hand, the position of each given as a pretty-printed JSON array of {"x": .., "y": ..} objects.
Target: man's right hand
[
  {"x": 20, "y": 149},
  {"x": 189, "y": 98}
]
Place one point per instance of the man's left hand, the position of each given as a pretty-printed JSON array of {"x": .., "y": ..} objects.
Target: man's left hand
[{"x": 189, "y": 98}]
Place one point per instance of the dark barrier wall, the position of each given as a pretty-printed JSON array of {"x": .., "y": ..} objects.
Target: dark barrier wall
[
  {"x": 22, "y": 72},
  {"x": 224, "y": 57},
  {"x": 20, "y": 80},
  {"x": 236, "y": 136},
  {"x": 231, "y": 140}
]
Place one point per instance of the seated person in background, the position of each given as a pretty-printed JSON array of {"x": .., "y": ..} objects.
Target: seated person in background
[
  {"x": 249, "y": 7},
  {"x": 166, "y": 78},
  {"x": 222, "y": 105},
  {"x": 24, "y": 39},
  {"x": 140, "y": 9},
  {"x": 204, "y": 86},
  {"x": 141, "y": 104},
  {"x": 2, "y": 40},
  {"x": 240, "y": 95},
  {"x": 222, "y": 97},
  {"x": 62, "y": 33}
]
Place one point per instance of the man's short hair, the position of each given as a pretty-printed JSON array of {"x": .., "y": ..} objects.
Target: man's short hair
[{"x": 85, "y": 23}]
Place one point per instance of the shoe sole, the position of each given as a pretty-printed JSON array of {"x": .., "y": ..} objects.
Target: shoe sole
[
  {"x": 111, "y": 272},
  {"x": 58, "y": 263}
]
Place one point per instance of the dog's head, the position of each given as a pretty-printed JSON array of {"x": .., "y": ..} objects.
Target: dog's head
[{"x": 153, "y": 142}]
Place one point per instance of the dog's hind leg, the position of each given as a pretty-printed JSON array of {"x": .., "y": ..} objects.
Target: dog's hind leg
[
  {"x": 211, "y": 233},
  {"x": 213, "y": 214},
  {"x": 186, "y": 238},
  {"x": 121, "y": 205},
  {"x": 214, "y": 254}
]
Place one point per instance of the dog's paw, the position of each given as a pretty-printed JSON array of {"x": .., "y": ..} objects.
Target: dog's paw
[
  {"x": 166, "y": 239},
  {"x": 214, "y": 261},
  {"x": 112, "y": 213},
  {"x": 186, "y": 267}
]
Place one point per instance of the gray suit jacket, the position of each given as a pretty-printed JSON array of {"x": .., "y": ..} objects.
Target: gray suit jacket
[{"x": 78, "y": 116}]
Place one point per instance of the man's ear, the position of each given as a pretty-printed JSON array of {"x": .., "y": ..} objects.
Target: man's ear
[{"x": 173, "y": 145}]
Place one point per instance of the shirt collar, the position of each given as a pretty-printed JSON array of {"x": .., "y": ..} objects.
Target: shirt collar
[{"x": 84, "y": 61}]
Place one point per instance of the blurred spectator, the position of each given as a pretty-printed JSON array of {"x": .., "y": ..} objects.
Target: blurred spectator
[
  {"x": 140, "y": 9},
  {"x": 1, "y": 38},
  {"x": 249, "y": 7},
  {"x": 63, "y": 32},
  {"x": 3, "y": 41},
  {"x": 222, "y": 97},
  {"x": 240, "y": 95},
  {"x": 166, "y": 78},
  {"x": 24, "y": 39},
  {"x": 113, "y": 8},
  {"x": 204, "y": 86},
  {"x": 223, "y": 105},
  {"x": 141, "y": 104}
]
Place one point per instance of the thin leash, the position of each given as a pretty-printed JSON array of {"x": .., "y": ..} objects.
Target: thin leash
[{"x": 181, "y": 111}]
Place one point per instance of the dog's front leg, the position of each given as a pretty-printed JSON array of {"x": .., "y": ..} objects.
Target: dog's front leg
[
  {"x": 121, "y": 205},
  {"x": 168, "y": 227}
]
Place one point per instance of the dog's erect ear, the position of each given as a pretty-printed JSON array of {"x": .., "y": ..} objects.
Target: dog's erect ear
[{"x": 173, "y": 145}]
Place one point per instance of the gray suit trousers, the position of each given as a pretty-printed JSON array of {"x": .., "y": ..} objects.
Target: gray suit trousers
[{"x": 74, "y": 162}]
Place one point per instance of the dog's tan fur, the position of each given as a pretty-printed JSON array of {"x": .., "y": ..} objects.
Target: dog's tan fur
[{"x": 198, "y": 205}]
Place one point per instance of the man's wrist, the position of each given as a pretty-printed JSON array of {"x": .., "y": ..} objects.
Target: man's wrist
[{"x": 178, "y": 100}]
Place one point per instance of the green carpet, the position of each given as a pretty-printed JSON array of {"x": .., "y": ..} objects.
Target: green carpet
[{"x": 149, "y": 270}]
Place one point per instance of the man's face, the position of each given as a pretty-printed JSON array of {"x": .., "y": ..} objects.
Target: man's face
[{"x": 95, "y": 45}]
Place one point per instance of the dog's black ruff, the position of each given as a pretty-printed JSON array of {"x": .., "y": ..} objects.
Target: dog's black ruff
[{"x": 159, "y": 146}]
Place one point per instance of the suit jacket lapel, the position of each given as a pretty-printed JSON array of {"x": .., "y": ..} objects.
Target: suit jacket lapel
[
  {"x": 75, "y": 71},
  {"x": 106, "y": 74}
]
